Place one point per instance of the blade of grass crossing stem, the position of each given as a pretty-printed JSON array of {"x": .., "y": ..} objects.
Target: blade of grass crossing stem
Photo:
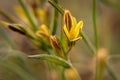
[
  {"x": 55, "y": 20},
  {"x": 95, "y": 24},
  {"x": 28, "y": 15},
  {"x": 53, "y": 59}
]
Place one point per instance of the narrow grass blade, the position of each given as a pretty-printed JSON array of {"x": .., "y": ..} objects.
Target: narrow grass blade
[
  {"x": 95, "y": 24},
  {"x": 51, "y": 58},
  {"x": 7, "y": 16},
  {"x": 28, "y": 15}
]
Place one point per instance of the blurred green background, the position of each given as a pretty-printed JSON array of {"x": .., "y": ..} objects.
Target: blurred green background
[{"x": 108, "y": 23}]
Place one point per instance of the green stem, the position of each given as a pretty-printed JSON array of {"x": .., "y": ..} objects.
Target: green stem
[
  {"x": 56, "y": 6},
  {"x": 95, "y": 38},
  {"x": 62, "y": 74},
  {"x": 7, "y": 16},
  {"x": 111, "y": 72},
  {"x": 55, "y": 20},
  {"x": 95, "y": 24},
  {"x": 28, "y": 15},
  {"x": 88, "y": 43}
]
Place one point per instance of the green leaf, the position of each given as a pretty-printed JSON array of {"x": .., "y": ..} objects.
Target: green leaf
[{"x": 52, "y": 58}]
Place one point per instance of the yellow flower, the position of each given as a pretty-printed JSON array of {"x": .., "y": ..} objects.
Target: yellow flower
[
  {"x": 44, "y": 33},
  {"x": 71, "y": 27}
]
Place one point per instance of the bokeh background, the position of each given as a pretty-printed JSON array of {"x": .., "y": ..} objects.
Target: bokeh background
[{"x": 108, "y": 24}]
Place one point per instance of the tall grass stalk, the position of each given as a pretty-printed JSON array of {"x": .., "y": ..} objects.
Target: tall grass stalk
[
  {"x": 28, "y": 14},
  {"x": 95, "y": 24}
]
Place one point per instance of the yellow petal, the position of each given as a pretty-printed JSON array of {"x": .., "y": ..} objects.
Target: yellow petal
[
  {"x": 78, "y": 28},
  {"x": 79, "y": 25},
  {"x": 74, "y": 22},
  {"x": 66, "y": 31},
  {"x": 44, "y": 29},
  {"x": 68, "y": 19},
  {"x": 76, "y": 39},
  {"x": 74, "y": 32}
]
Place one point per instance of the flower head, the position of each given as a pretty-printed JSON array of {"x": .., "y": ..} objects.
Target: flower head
[{"x": 71, "y": 27}]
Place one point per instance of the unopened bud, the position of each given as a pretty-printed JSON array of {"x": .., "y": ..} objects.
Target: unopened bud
[
  {"x": 102, "y": 56},
  {"x": 14, "y": 27},
  {"x": 56, "y": 45},
  {"x": 101, "y": 61},
  {"x": 17, "y": 28},
  {"x": 68, "y": 19}
]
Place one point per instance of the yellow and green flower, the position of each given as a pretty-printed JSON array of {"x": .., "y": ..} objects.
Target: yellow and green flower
[{"x": 71, "y": 27}]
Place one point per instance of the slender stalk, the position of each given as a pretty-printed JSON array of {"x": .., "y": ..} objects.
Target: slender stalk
[
  {"x": 62, "y": 74},
  {"x": 56, "y": 6},
  {"x": 55, "y": 20},
  {"x": 111, "y": 72},
  {"x": 95, "y": 24},
  {"x": 7, "y": 16},
  {"x": 95, "y": 38},
  {"x": 28, "y": 14},
  {"x": 88, "y": 43}
]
